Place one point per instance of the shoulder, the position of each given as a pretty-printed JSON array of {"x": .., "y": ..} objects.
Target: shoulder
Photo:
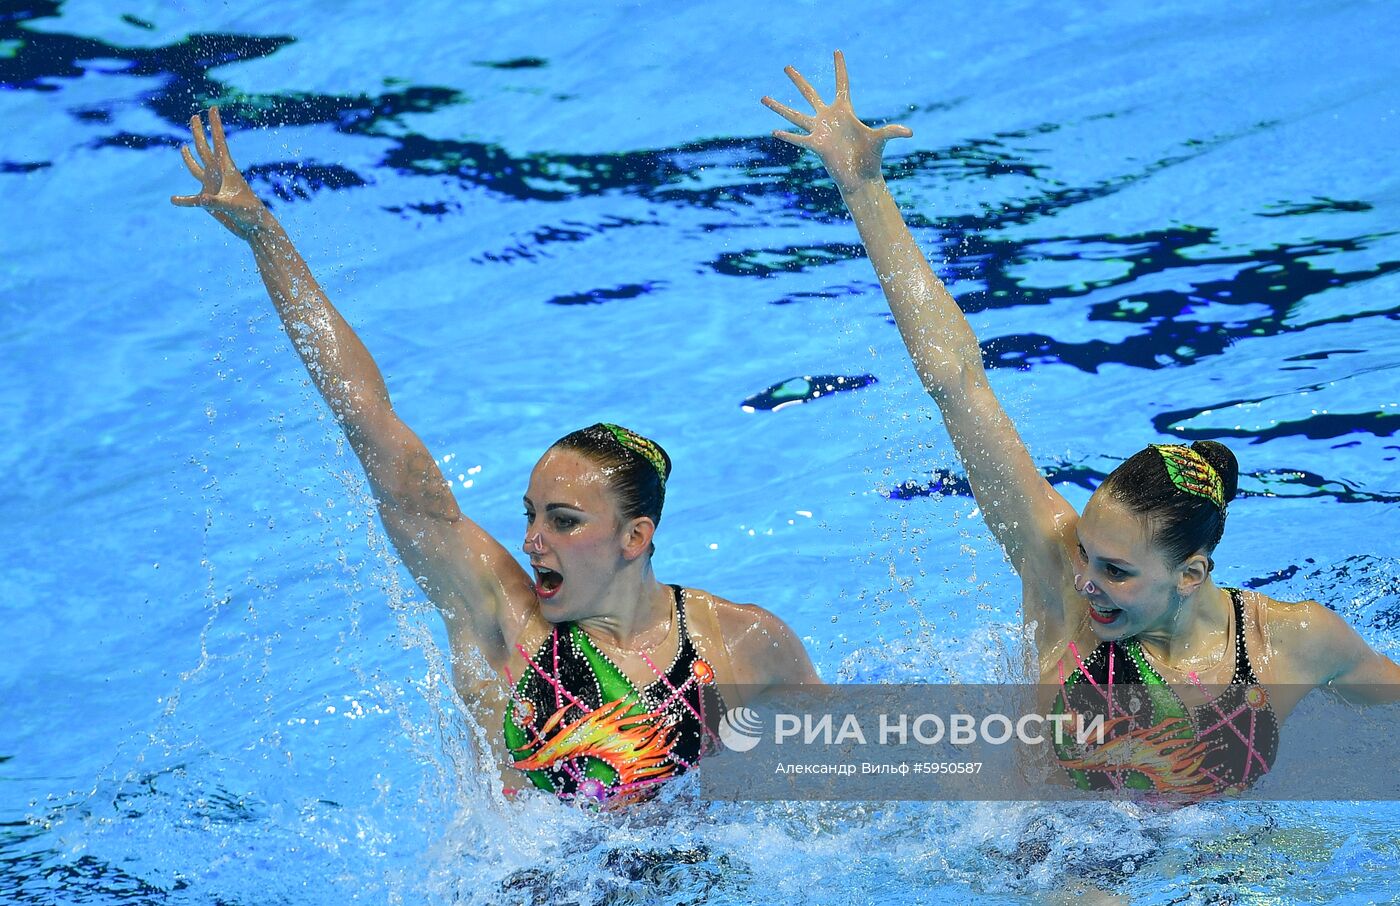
[
  {"x": 1292, "y": 621},
  {"x": 751, "y": 629},
  {"x": 736, "y": 617},
  {"x": 1310, "y": 640},
  {"x": 759, "y": 647}
]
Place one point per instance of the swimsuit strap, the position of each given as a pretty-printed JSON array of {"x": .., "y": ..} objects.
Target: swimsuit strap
[
  {"x": 683, "y": 628},
  {"x": 1243, "y": 674},
  {"x": 1244, "y": 671}
]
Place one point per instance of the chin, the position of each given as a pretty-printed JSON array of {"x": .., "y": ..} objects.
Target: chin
[
  {"x": 1111, "y": 632},
  {"x": 561, "y": 609},
  {"x": 553, "y": 609}
]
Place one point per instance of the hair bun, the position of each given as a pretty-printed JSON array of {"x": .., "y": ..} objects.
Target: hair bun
[{"x": 1224, "y": 464}]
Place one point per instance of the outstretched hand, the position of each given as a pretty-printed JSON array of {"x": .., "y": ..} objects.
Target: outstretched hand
[
  {"x": 223, "y": 191},
  {"x": 850, "y": 149}
]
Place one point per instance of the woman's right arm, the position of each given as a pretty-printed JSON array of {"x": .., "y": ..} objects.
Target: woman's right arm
[
  {"x": 1031, "y": 521},
  {"x": 483, "y": 594}
]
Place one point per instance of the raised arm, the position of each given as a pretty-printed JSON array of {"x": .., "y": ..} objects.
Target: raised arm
[
  {"x": 481, "y": 591},
  {"x": 1028, "y": 517}
]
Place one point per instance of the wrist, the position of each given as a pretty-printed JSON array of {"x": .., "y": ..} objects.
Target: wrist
[
  {"x": 864, "y": 193},
  {"x": 860, "y": 184},
  {"x": 260, "y": 228}
]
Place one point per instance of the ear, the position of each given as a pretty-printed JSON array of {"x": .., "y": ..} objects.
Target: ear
[
  {"x": 1192, "y": 573},
  {"x": 636, "y": 537}
]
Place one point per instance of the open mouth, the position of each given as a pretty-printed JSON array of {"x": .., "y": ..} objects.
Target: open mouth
[
  {"x": 1104, "y": 616},
  {"x": 547, "y": 581}
]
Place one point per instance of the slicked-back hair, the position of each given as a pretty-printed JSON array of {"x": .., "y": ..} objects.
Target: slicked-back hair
[{"x": 1181, "y": 522}]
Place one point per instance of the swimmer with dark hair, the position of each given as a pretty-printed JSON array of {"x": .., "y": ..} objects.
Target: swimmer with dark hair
[
  {"x": 1123, "y": 594},
  {"x": 606, "y": 681}
]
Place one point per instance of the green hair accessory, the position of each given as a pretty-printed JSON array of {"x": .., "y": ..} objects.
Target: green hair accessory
[
  {"x": 643, "y": 447},
  {"x": 1190, "y": 472}
]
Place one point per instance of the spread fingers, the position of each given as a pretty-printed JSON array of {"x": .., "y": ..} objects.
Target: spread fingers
[
  {"x": 200, "y": 143},
  {"x": 787, "y": 113},
  {"x": 193, "y": 167},
  {"x": 804, "y": 87},
  {"x": 792, "y": 138},
  {"x": 888, "y": 132},
  {"x": 217, "y": 126}
]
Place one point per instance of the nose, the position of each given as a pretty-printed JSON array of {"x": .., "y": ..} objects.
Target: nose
[
  {"x": 534, "y": 543},
  {"x": 1085, "y": 587}
]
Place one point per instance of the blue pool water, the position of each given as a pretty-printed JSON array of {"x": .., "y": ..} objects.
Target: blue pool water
[{"x": 219, "y": 686}]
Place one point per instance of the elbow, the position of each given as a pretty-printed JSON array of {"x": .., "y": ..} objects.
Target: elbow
[
  {"x": 950, "y": 382},
  {"x": 937, "y": 388}
]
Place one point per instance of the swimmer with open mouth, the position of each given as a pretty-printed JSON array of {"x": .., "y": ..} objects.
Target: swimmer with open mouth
[{"x": 587, "y": 703}]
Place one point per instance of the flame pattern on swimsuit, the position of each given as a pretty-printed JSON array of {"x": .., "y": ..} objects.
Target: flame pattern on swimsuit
[
  {"x": 578, "y": 727},
  {"x": 1152, "y": 741}
]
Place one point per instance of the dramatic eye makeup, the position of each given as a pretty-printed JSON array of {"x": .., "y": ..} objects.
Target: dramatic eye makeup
[
  {"x": 1114, "y": 568},
  {"x": 562, "y": 517}
]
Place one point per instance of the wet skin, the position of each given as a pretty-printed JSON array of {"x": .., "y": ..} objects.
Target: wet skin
[
  {"x": 1133, "y": 589},
  {"x": 574, "y": 531}
]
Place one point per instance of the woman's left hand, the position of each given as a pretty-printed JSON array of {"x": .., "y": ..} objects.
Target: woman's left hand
[{"x": 850, "y": 149}]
